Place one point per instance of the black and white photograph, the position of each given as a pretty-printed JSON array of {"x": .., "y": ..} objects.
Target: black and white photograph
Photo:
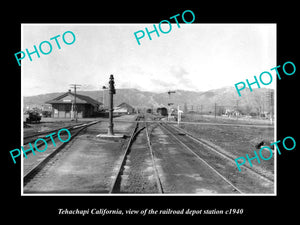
[{"x": 131, "y": 109}]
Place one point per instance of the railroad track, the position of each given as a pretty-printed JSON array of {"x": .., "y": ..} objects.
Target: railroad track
[
  {"x": 185, "y": 163},
  {"x": 242, "y": 182},
  {"x": 228, "y": 157},
  {"x": 33, "y": 137},
  {"x": 33, "y": 165},
  {"x": 137, "y": 171}
]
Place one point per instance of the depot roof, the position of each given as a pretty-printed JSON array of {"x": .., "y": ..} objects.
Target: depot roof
[{"x": 69, "y": 97}]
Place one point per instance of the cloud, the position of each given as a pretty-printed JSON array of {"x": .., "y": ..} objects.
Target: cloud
[
  {"x": 178, "y": 72},
  {"x": 182, "y": 78}
]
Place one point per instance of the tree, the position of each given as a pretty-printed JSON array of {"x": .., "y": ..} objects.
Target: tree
[{"x": 248, "y": 109}]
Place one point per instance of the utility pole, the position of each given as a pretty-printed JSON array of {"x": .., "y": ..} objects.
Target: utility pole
[{"x": 75, "y": 106}]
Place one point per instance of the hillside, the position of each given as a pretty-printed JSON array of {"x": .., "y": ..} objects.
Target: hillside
[{"x": 225, "y": 97}]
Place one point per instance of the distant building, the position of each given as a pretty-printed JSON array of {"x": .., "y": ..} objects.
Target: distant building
[
  {"x": 231, "y": 112},
  {"x": 63, "y": 106},
  {"x": 124, "y": 108}
]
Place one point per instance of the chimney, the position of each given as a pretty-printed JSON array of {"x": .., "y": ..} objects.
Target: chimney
[{"x": 69, "y": 90}]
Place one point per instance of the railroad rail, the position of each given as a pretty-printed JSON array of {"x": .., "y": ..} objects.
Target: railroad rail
[
  {"x": 32, "y": 137},
  {"x": 171, "y": 133},
  {"x": 185, "y": 162},
  {"x": 137, "y": 130},
  {"x": 43, "y": 135},
  {"x": 207, "y": 155},
  {"x": 228, "y": 157},
  {"x": 158, "y": 181},
  {"x": 39, "y": 163}
]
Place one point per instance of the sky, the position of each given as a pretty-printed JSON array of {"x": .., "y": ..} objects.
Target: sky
[{"x": 195, "y": 57}]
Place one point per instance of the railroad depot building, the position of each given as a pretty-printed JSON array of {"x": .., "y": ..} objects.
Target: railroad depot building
[{"x": 63, "y": 106}]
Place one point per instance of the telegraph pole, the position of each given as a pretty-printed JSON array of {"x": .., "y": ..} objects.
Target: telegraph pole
[{"x": 75, "y": 106}]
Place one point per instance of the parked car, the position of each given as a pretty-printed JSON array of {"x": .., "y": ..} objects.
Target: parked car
[{"x": 33, "y": 117}]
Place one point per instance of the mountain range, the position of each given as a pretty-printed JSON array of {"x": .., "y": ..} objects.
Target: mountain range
[{"x": 226, "y": 97}]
